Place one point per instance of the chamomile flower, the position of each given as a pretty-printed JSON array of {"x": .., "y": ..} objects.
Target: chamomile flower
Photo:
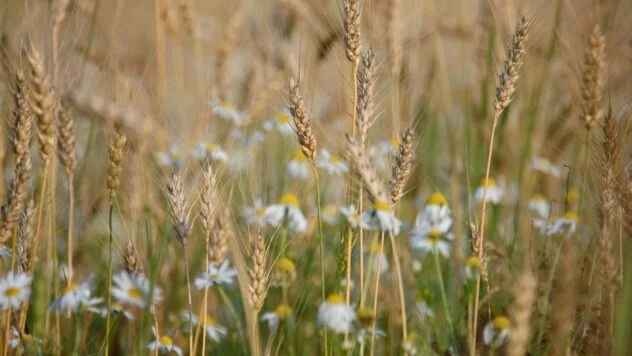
[
  {"x": 286, "y": 211},
  {"x": 366, "y": 319},
  {"x": 432, "y": 242},
  {"x": 173, "y": 158},
  {"x": 5, "y": 253},
  {"x": 489, "y": 191},
  {"x": 284, "y": 272},
  {"x": 423, "y": 310},
  {"x": 335, "y": 314},
  {"x": 540, "y": 207},
  {"x": 352, "y": 216},
  {"x": 164, "y": 344},
  {"x": 280, "y": 313},
  {"x": 216, "y": 274},
  {"x": 472, "y": 267},
  {"x": 281, "y": 122},
  {"x": 377, "y": 259},
  {"x": 497, "y": 331},
  {"x": 299, "y": 166},
  {"x": 330, "y": 214},
  {"x": 543, "y": 165},
  {"x": 76, "y": 298},
  {"x": 331, "y": 164},
  {"x": 226, "y": 111},
  {"x": 210, "y": 151},
  {"x": 382, "y": 218},
  {"x": 565, "y": 225},
  {"x": 255, "y": 214},
  {"x": 435, "y": 216},
  {"x": 134, "y": 290},
  {"x": 15, "y": 289},
  {"x": 214, "y": 331}
]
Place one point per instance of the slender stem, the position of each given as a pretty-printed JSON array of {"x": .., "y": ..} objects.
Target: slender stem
[
  {"x": 321, "y": 241},
  {"x": 354, "y": 94},
  {"x": 376, "y": 293},
  {"x": 109, "y": 311},
  {"x": 189, "y": 299},
  {"x": 444, "y": 298},
  {"x": 71, "y": 219},
  {"x": 400, "y": 282},
  {"x": 7, "y": 332}
]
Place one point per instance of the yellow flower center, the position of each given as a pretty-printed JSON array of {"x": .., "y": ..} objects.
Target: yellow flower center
[
  {"x": 283, "y": 311},
  {"x": 374, "y": 247},
  {"x": 135, "y": 293},
  {"x": 501, "y": 323},
  {"x": 209, "y": 321},
  {"x": 434, "y": 235},
  {"x": 571, "y": 215},
  {"x": 11, "y": 292},
  {"x": 335, "y": 159},
  {"x": 473, "y": 262},
  {"x": 289, "y": 199},
  {"x": 335, "y": 298},
  {"x": 211, "y": 147},
  {"x": 573, "y": 196},
  {"x": 166, "y": 340},
  {"x": 69, "y": 288},
  {"x": 381, "y": 206},
  {"x": 286, "y": 265},
  {"x": 487, "y": 183},
  {"x": 299, "y": 156},
  {"x": 365, "y": 316},
  {"x": 394, "y": 142},
  {"x": 282, "y": 118},
  {"x": 436, "y": 198},
  {"x": 538, "y": 198}
]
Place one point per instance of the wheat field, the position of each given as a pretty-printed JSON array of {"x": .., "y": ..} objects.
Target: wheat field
[{"x": 316, "y": 177}]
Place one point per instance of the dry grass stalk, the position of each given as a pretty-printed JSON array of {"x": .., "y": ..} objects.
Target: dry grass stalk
[
  {"x": 563, "y": 301},
  {"x": 403, "y": 164},
  {"x": 67, "y": 141},
  {"x": 21, "y": 139},
  {"x": 508, "y": 77},
  {"x": 592, "y": 79},
  {"x": 362, "y": 167},
  {"x": 218, "y": 244},
  {"x": 208, "y": 202},
  {"x": 351, "y": 24},
  {"x": 178, "y": 207},
  {"x": 365, "y": 104},
  {"x": 115, "y": 162},
  {"x": 521, "y": 309},
  {"x": 25, "y": 238},
  {"x": 258, "y": 272},
  {"x": 43, "y": 102},
  {"x": 302, "y": 123}
]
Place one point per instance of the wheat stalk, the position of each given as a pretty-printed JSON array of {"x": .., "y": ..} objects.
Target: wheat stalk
[
  {"x": 592, "y": 79},
  {"x": 302, "y": 123}
]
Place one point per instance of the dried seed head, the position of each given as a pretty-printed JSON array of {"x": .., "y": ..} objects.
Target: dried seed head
[
  {"x": 43, "y": 102},
  {"x": 131, "y": 261},
  {"x": 403, "y": 164},
  {"x": 351, "y": 24},
  {"x": 218, "y": 243},
  {"x": 116, "y": 148},
  {"x": 258, "y": 272},
  {"x": 592, "y": 78},
  {"x": 508, "y": 78},
  {"x": 364, "y": 108},
  {"x": 67, "y": 141},
  {"x": 302, "y": 124},
  {"x": 362, "y": 167},
  {"x": 25, "y": 238},
  {"x": 178, "y": 207}
]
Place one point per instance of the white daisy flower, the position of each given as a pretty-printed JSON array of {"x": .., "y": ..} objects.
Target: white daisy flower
[
  {"x": 213, "y": 330},
  {"x": 335, "y": 314},
  {"x": 255, "y": 214},
  {"x": 543, "y": 165},
  {"x": 435, "y": 216},
  {"x": 565, "y": 225},
  {"x": 540, "y": 207},
  {"x": 331, "y": 164},
  {"x": 424, "y": 310},
  {"x": 330, "y": 214},
  {"x": 283, "y": 273},
  {"x": 496, "y": 332},
  {"x": 173, "y": 158},
  {"x": 287, "y": 210},
  {"x": 351, "y": 214},
  {"x": 281, "y": 122},
  {"x": 134, "y": 290},
  {"x": 228, "y": 112},
  {"x": 216, "y": 274},
  {"x": 381, "y": 217},
  {"x": 490, "y": 191},
  {"x": 5, "y": 253},
  {"x": 273, "y": 318},
  {"x": 15, "y": 289},
  {"x": 75, "y": 298},
  {"x": 472, "y": 267},
  {"x": 377, "y": 258},
  {"x": 432, "y": 242},
  {"x": 299, "y": 167},
  {"x": 211, "y": 151},
  {"x": 164, "y": 344}
]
